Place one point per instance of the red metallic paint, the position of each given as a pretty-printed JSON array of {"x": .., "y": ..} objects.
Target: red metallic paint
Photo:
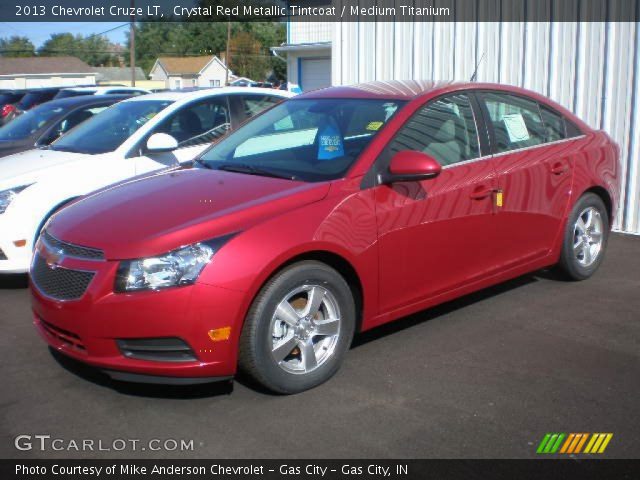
[
  {"x": 411, "y": 245},
  {"x": 409, "y": 162}
]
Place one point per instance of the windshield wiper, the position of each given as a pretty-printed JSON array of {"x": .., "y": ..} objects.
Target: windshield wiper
[{"x": 251, "y": 170}]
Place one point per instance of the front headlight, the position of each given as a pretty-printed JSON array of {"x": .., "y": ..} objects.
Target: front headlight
[
  {"x": 7, "y": 196},
  {"x": 176, "y": 268}
]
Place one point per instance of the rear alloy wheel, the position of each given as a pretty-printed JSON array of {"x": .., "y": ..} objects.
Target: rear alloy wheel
[
  {"x": 585, "y": 237},
  {"x": 298, "y": 329}
]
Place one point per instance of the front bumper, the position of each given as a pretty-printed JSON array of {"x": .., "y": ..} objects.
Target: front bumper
[{"x": 87, "y": 329}]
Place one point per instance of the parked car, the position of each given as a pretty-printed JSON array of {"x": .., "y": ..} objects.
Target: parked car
[
  {"x": 44, "y": 124},
  {"x": 331, "y": 213},
  {"x": 133, "y": 137},
  {"x": 31, "y": 98},
  {"x": 101, "y": 90},
  {"x": 8, "y": 100}
]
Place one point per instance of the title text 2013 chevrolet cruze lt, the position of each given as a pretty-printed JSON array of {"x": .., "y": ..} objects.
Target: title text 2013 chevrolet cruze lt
[{"x": 328, "y": 214}]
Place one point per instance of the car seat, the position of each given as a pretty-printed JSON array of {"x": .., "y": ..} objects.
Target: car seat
[
  {"x": 446, "y": 145},
  {"x": 190, "y": 125}
]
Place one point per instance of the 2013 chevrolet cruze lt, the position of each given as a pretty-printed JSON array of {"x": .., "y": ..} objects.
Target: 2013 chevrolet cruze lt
[{"x": 328, "y": 214}]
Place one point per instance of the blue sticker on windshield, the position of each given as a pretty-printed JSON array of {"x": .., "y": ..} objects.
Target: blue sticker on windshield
[{"x": 330, "y": 144}]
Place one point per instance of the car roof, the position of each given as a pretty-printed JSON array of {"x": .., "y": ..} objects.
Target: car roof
[
  {"x": 84, "y": 100},
  {"x": 102, "y": 88},
  {"x": 177, "y": 95},
  {"x": 393, "y": 89},
  {"x": 408, "y": 89}
]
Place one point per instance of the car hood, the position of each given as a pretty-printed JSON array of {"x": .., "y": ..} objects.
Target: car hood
[
  {"x": 30, "y": 166},
  {"x": 161, "y": 212}
]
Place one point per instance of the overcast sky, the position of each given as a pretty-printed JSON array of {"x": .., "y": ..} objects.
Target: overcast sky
[{"x": 38, "y": 32}]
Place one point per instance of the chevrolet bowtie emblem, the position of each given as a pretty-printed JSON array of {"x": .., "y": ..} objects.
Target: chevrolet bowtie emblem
[{"x": 53, "y": 257}]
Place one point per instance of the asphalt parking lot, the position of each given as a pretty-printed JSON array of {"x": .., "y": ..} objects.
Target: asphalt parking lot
[{"x": 484, "y": 376}]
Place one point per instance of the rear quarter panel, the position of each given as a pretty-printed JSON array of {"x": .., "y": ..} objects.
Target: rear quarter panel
[{"x": 598, "y": 166}]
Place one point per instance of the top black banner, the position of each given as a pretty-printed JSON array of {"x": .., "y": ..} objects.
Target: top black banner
[{"x": 320, "y": 10}]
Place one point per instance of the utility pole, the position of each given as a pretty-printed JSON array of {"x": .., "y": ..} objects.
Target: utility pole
[
  {"x": 132, "y": 45},
  {"x": 227, "y": 55}
]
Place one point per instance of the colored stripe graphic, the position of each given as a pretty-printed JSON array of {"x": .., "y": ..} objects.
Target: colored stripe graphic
[
  {"x": 551, "y": 443},
  {"x": 581, "y": 443},
  {"x": 573, "y": 443},
  {"x": 598, "y": 442}
]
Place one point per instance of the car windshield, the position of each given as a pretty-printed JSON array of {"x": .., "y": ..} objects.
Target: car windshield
[
  {"x": 29, "y": 122},
  {"x": 109, "y": 129},
  {"x": 311, "y": 140}
]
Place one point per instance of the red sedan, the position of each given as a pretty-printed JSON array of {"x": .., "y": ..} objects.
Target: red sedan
[{"x": 329, "y": 214}]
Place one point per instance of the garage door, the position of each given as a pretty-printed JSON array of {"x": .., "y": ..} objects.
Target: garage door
[{"x": 315, "y": 72}]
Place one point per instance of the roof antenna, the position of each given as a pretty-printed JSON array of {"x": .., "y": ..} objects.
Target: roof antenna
[{"x": 475, "y": 72}]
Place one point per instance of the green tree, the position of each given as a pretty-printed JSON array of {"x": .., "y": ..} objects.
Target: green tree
[
  {"x": 16, "y": 46},
  {"x": 95, "y": 50},
  {"x": 250, "y": 54}
]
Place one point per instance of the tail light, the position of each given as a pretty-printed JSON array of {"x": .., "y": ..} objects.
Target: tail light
[{"x": 6, "y": 110}]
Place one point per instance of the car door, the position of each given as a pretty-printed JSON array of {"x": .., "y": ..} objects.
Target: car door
[
  {"x": 438, "y": 234},
  {"x": 534, "y": 171},
  {"x": 194, "y": 126}
]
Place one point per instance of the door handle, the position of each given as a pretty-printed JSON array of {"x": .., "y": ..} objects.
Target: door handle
[
  {"x": 481, "y": 192},
  {"x": 559, "y": 168}
]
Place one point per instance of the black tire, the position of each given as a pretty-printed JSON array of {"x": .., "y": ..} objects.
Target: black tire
[
  {"x": 570, "y": 263},
  {"x": 256, "y": 342}
]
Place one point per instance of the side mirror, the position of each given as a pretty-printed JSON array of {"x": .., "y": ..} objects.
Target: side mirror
[
  {"x": 161, "y": 142},
  {"x": 411, "y": 166}
]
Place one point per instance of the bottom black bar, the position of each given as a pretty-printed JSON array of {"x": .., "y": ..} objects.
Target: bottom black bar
[{"x": 565, "y": 469}]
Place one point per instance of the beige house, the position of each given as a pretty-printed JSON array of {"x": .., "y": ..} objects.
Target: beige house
[
  {"x": 34, "y": 72},
  {"x": 187, "y": 72}
]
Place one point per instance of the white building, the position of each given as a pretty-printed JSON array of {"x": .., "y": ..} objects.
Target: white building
[
  {"x": 186, "y": 72},
  {"x": 308, "y": 55},
  {"x": 34, "y": 72}
]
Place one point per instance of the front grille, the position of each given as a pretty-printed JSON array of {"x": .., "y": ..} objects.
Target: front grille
[
  {"x": 65, "y": 336},
  {"x": 59, "y": 283},
  {"x": 2, "y": 255},
  {"x": 157, "y": 349},
  {"x": 71, "y": 250}
]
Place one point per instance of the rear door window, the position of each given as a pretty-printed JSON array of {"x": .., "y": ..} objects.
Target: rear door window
[
  {"x": 516, "y": 122},
  {"x": 554, "y": 126}
]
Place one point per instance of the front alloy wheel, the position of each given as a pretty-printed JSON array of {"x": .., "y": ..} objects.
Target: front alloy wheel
[
  {"x": 298, "y": 329},
  {"x": 305, "y": 329}
]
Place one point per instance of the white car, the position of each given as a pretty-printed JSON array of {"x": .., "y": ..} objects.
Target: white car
[
  {"x": 133, "y": 137},
  {"x": 112, "y": 90}
]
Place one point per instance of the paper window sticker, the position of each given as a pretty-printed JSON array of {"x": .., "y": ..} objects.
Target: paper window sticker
[
  {"x": 374, "y": 126},
  {"x": 516, "y": 128},
  {"x": 330, "y": 144}
]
